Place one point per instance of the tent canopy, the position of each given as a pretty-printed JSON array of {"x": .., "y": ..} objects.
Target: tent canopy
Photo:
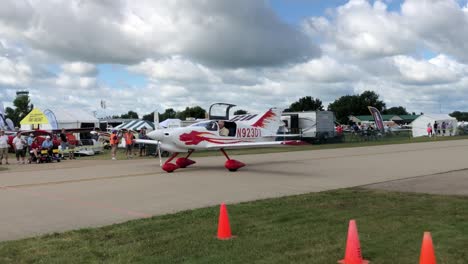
[
  {"x": 136, "y": 125},
  {"x": 420, "y": 124},
  {"x": 72, "y": 115},
  {"x": 66, "y": 118}
]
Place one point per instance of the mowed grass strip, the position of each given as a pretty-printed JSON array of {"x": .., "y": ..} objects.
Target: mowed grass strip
[{"x": 307, "y": 228}]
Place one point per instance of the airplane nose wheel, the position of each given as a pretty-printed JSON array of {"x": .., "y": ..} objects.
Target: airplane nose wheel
[
  {"x": 232, "y": 165},
  {"x": 168, "y": 166}
]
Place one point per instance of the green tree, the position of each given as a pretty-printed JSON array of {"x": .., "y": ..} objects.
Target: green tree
[
  {"x": 240, "y": 112},
  {"x": 194, "y": 112},
  {"x": 168, "y": 113},
  {"x": 396, "y": 110},
  {"x": 22, "y": 108},
  {"x": 348, "y": 105},
  {"x": 460, "y": 116},
  {"x": 307, "y": 103},
  {"x": 130, "y": 115},
  {"x": 149, "y": 117}
]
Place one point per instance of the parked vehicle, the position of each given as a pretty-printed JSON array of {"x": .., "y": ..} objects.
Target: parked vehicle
[{"x": 312, "y": 126}]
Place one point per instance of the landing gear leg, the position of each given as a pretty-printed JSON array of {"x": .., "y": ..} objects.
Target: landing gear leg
[
  {"x": 168, "y": 166},
  {"x": 232, "y": 165},
  {"x": 185, "y": 162}
]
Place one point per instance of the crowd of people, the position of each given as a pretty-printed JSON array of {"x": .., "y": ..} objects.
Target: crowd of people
[
  {"x": 30, "y": 149},
  {"x": 129, "y": 138},
  {"x": 443, "y": 129}
]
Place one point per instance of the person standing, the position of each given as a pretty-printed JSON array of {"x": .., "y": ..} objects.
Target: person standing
[
  {"x": 129, "y": 137},
  {"x": 434, "y": 131},
  {"x": 114, "y": 142},
  {"x": 30, "y": 141},
  {"x": 142, "y": 146},
  {"x": 19, "y": 145},
  {"x": 3, "y": 147},
  {"x": 450, "y": 129},
  {"x": 429, "y": 130},
  {"x": 63, "y": 143}
]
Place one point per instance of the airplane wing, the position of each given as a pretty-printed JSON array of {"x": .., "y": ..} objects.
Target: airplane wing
[
  {"x": 147, "y": 141},
  {"x": 266, "y": 144},
  {"x": 73, "y": 130}
]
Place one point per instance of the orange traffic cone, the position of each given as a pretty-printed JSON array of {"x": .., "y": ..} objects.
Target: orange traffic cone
[
  {"x": 353, "y": 253},
  {"x": 224, "y": 229},
  {"x": 427, "y": 250}
]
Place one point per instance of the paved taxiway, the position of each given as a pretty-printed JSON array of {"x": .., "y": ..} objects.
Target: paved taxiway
[{"x": 38, "y": 199}]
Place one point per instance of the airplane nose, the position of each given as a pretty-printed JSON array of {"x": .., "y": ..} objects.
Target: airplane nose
[{"x": 156, "y": 135}]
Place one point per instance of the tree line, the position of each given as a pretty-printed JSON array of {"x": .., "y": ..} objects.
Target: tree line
[{"x": 343, "y": 107}]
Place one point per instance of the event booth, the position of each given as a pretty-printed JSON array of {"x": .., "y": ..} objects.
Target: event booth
[{"x": 420, "y": 124}]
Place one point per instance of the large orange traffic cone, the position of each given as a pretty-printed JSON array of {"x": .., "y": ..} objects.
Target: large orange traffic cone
[
  {"x": 353, "y": 253},
  {"x": 427, "y": 250},
  {"x": 224, "y": 229}
]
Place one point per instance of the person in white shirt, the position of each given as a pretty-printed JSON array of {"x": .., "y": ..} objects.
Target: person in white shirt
[
  {"x": 3, "y": 147},
  {"x": 222, "y": 130},
  {"x": 19, "y": 145}
]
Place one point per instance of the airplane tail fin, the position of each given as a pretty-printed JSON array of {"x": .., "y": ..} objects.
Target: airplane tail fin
[{"x": 270, "y": 121}]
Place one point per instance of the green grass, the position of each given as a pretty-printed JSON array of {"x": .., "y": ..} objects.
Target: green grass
[
  {"x": 307, "y": 228},
  {"x": 3, "y": 169}
]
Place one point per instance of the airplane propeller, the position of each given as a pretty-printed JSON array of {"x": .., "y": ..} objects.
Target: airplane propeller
[{"x": 159, "y": 153}]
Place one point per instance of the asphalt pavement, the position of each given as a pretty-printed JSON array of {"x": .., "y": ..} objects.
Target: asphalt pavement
[{"x": 44, "y": 198}]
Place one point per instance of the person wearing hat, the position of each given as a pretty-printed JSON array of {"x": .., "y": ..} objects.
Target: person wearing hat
[
  {"x": 47, "y": 145},
  {"x": 114, "y": 142},
  {"x": 3, "y": 147}
]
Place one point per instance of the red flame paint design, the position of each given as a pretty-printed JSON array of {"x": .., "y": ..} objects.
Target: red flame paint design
[
  {"x": 195, "y": 137},
  {"x": 263, "y": 121}
]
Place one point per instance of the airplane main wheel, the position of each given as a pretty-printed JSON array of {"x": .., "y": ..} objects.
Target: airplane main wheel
[{"x": 232, "y": 169}]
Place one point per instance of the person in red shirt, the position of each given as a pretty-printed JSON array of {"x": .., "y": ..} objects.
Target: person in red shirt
[{"x": 33, "y": 152}]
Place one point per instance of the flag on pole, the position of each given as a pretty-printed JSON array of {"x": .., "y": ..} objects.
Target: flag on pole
[{"x": 377, "y": 118}]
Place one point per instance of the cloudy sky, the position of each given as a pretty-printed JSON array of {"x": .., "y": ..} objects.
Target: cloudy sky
[{"x": 154, "y": 54}]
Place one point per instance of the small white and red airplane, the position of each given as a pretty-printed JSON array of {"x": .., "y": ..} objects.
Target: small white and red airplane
[{"x": 243, "y": 131}]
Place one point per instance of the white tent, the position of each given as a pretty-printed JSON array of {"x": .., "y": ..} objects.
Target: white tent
[
  {"x": 419, "y": 125},
  {"x": 66, "y": 118},
  {"x": 136, "y": 125},
  {"x": 170, "y": 123}
]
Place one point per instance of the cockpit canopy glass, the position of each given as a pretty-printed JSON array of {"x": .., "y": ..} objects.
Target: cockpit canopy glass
[{"x": 209, "y": 125}]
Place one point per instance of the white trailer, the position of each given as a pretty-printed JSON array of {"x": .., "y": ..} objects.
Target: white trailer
[{"x": 312, "y": 125}]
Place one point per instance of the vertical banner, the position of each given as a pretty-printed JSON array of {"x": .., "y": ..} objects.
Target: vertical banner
[{"x": 378, "y": 118}]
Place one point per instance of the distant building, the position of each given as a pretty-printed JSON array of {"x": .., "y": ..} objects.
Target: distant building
[{"x": 399, "y": 119}]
